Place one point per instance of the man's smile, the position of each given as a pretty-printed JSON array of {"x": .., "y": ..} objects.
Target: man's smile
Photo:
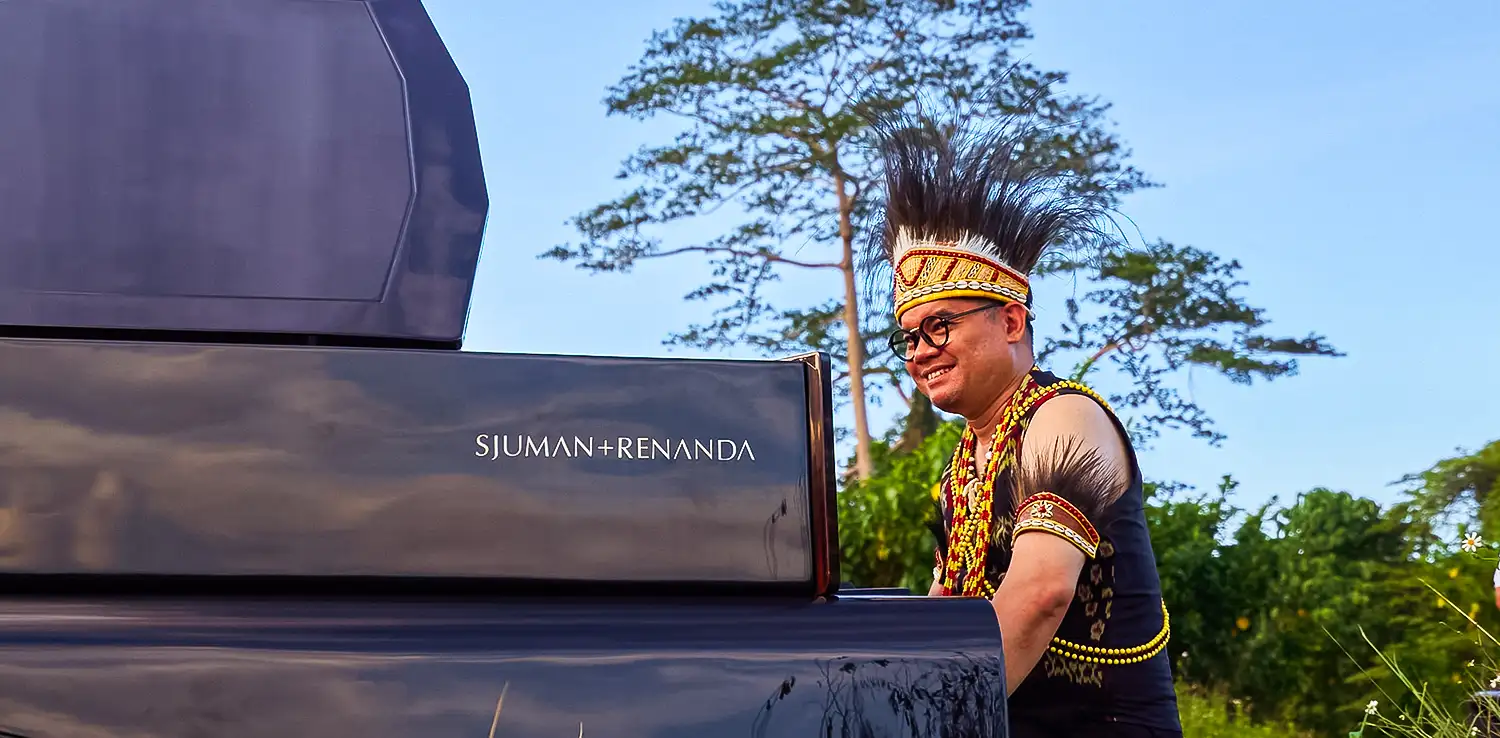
[{"x": 935, "y": 372}]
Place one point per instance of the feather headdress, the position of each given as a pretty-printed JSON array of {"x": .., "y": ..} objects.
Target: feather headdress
[{"x": 969, "y": 209}]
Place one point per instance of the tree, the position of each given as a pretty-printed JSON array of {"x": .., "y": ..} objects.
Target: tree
[
  {"x": 771, "y": 93},
  {"x": 1458, "y": 492},
  {"x": 1166, "y": 307},
  {"x": 1278, "y": 614},
  {"x": 1211, "y": 575},
  {"x": 886, "y": 536},
  {"x": 1338, "y": 563},
  {"x": 1152, "y": 311}
]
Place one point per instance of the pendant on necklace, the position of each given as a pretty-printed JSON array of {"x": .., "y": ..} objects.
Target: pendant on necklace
[{"x": 971, "y": 490}]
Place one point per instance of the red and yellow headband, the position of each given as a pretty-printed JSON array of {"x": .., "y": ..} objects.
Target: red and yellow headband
[{"x": 928, "y": 270}]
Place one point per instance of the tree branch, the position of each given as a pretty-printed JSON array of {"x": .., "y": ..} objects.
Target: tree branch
[{"x": 743, "y": 254}]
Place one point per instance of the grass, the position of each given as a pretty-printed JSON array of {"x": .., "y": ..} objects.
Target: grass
[
  {"x": 1208, "y": 714},
  {"x": 1428, "y": 717}
]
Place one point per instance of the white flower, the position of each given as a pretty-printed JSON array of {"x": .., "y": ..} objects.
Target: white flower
[
  {"x": 1370, "y": 708},
  {"x": 1495, "y": 683},
  {"x": 1472, "y": 542}
]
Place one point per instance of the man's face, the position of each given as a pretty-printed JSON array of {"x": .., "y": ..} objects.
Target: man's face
[{"x": 978, "y": 362}]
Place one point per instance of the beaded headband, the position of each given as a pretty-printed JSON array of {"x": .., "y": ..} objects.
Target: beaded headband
[{"x": 928, "y": 270}]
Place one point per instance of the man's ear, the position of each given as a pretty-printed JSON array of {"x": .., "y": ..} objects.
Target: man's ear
[{"x": 1016, "y": 315}]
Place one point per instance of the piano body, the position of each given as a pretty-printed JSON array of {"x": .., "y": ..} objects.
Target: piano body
[{"x": 250, "y": 486}]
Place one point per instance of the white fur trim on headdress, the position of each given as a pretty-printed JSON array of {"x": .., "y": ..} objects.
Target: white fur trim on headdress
[{"x": 928, "y": 269}]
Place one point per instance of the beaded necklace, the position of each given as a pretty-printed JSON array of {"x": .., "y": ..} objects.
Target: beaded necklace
[{"x": 969, "y": 537}]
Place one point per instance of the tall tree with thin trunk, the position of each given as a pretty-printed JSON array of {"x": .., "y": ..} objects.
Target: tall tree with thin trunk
[{"x": 770, "y": 94}]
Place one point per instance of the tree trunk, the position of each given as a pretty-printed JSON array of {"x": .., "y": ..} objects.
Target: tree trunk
[{"x": 863, "y": 465}]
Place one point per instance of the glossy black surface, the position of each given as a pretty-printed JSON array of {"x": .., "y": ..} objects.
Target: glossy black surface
[
  {"x": 119, "y": 458},
  {"x": 679, "y": 669},
  {"x": 220, "y": 538},
  {"x": 274, "y": 166}
]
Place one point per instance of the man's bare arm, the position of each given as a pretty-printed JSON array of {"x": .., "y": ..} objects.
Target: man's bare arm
[{"x": 1032, "y": 600}]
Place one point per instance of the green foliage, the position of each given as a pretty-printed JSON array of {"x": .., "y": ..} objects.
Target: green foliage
[
  {"x": 1156, "y": 311},
  {"x": 1458, "y": 493},
  {"x": 1335, "y": 560},
  {"x": 1297, "y": 614},
  {"x": 884, "y": 532},
  {"x": 1278, "y": 613},
  {"x": 1208, "y": 585},
  {"x": 1270, "y": 613},
  {"x": 1214, "y": 714},
  {"x": 1417, "y": 709},
  {"x": 1428, "y": 665}
]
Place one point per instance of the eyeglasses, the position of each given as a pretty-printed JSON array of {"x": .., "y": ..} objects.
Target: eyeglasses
[{"x": 933, "y": 329}]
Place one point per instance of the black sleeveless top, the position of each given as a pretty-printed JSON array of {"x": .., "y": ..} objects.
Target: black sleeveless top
[{"x": 1108, "y": 661}]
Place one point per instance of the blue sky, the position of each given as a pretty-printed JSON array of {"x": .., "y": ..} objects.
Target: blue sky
[{"x": 1344, "y": 153}]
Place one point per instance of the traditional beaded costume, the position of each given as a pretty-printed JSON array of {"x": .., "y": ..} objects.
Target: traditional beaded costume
[{"x": 972, "y": 221}]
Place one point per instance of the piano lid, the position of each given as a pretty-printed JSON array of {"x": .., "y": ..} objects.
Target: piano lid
[{"x": 296, "y": 167}]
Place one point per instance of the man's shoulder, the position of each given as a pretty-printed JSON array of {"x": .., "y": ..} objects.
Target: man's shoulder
[
  {"x": 1049, "y": 388},
  {"x": 1077, "y": 419},
  {"x": 1071, "y": 406},
  {"x": 1073, "y": 414}
]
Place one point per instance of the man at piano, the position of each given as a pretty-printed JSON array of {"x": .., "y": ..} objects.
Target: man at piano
[{"x": 1042, "y": 511}]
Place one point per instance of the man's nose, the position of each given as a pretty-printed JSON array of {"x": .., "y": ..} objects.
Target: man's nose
[{"x": 924, "y": 351}]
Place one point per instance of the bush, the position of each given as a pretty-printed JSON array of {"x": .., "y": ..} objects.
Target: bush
[{"x": 1212, "y": 714}]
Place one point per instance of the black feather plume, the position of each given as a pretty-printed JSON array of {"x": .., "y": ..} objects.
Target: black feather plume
[
  {"x": 974, "y": 175},
  {"x": 1073, "y": 471}
]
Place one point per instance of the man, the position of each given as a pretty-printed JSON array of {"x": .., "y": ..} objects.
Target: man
[{"x": 1042, "y": 504}]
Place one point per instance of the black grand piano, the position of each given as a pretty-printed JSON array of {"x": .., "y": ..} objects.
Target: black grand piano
[{"x": 250, "y": 485}]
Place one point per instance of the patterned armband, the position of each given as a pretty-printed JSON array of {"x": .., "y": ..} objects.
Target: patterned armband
[{"x": 1047, "y": 512}]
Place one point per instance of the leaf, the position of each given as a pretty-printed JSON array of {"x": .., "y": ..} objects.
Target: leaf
[{"x": 1164, "y": 309}]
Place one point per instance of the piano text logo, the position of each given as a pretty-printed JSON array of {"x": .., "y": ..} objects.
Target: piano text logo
[{"x": 497, "y": 446}]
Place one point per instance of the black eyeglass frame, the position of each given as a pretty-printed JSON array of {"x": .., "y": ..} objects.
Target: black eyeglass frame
[{"x": 903, "y": 342}]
